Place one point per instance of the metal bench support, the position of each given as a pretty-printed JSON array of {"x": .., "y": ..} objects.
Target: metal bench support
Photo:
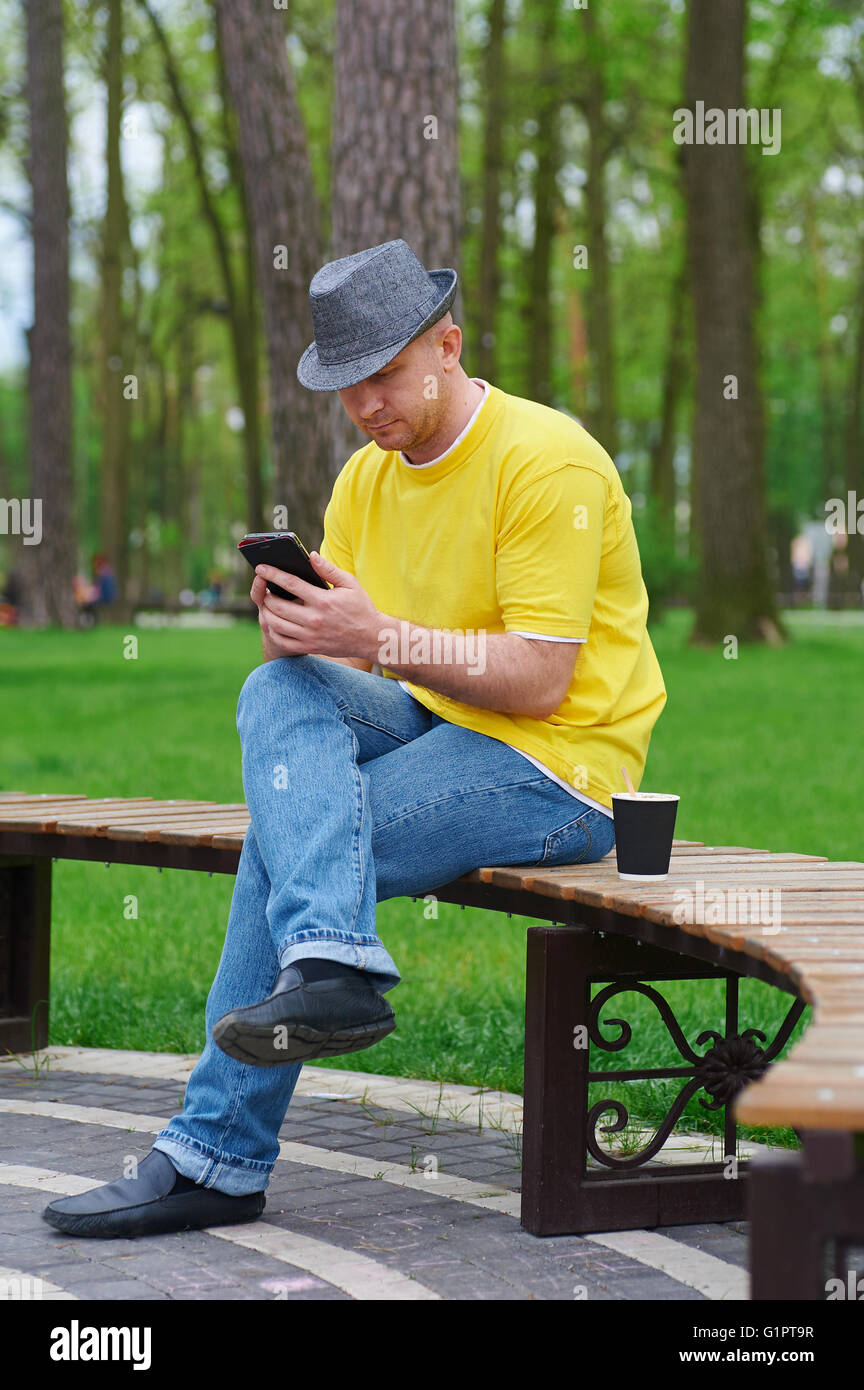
[
  {"x": 795, "y": 1260},
  {"x": 561, "y": 1195},
  {"x": 25, "y": 937}
]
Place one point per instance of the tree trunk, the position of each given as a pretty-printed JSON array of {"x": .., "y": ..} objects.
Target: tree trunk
[
  {"x": 395, "y": 170},
  {"x": 242, "y": 306},
  {"x": 578, "y": 345},
  {"x": 539, "y": 317},
  {"x": 662, "y": 480},
  {"x": 854, "y": 442},
  {"x": 284, "y": 208},
  {"x": 47, "y": 570},
  {"x": 116, "y": 337},
  {"x": 245, "y": 319},
  {"x": 832, "y": 468},
  {"x": 736, "y": 595},
  {"x": 854, "y": 448},
  {"x": 490, "y": 281},
  {"x": 603, "y": 416}
]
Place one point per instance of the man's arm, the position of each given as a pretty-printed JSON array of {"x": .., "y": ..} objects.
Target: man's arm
[
  {"x": 500, "y": 671},
  {"x": 497, "y": 671}
]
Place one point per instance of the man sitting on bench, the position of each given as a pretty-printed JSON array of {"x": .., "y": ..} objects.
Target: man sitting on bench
[{"x": 504, "y": 526}]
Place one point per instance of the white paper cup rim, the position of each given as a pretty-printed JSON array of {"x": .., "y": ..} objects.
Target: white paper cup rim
[{"x": 645, "y": 796}]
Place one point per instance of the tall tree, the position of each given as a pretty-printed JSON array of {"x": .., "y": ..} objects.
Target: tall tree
[
  {"x": 831, "y": 465},
  {"x": 854, "y": 449},
  {"x": 591, "y": 97},
  {"x": 48, "y": 569},
  {"x": 395, "y": 129},
  {"x": 395, "y": 169},
  {"x": 675, "y": 379},
  {"x": 116, "y": 326},
  {"x": 853, "y": 433},
  {"x": 285, "y": 215},
  {"x": 735, "y": 592},
  {"x": 547, "y": 204},
  {"x": 602, "y": 54},
  {"x": 240, "y": 300},
  {"x": 490, "y": 235}
]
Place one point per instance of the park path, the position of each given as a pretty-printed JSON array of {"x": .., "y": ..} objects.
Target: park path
[{"x": 385, "y": 1189}]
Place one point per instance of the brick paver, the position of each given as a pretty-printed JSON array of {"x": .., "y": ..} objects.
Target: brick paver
[{"x": 450, "y": 1247}]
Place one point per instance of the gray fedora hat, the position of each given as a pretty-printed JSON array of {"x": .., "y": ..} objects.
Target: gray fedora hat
[{"x": 366, "y": 308}]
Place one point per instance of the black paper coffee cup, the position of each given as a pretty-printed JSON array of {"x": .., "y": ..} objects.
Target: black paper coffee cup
[{"x": 644, "y": 830}]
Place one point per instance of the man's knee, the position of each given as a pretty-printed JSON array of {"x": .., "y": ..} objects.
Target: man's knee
[{"x": 271, "y": 680}]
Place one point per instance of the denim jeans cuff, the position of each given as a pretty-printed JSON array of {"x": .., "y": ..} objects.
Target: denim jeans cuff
[
  {"x": 203, "y": 1164},
  {"x": 374, "y": 960}
]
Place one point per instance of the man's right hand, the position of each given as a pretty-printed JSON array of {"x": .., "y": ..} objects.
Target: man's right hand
[{"x": 258, "y": 593}]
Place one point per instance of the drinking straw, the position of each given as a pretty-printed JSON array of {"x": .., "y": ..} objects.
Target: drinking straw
[{"x": 626, "y": 776}]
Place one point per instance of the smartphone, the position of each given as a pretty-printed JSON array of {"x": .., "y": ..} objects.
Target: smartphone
[{"x": 284, "y": 551}]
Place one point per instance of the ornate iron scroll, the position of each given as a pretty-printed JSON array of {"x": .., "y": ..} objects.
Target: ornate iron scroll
[{"x": 730, "y": 1064}]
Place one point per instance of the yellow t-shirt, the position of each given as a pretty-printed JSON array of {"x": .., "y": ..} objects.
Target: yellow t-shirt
[{"x": 523, "y": 526}]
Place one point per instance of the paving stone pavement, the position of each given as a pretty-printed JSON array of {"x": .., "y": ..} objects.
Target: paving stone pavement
[{"x": 327, "y": 1233}]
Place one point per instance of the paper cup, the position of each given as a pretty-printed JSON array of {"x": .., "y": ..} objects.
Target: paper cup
[{"x": 644, "y": 830}]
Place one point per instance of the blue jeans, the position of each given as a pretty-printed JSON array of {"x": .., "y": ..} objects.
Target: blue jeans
[{"x": 356, "y": 793}]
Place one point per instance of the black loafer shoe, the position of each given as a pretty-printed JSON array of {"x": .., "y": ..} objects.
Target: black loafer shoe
[
  {"x": 304, "y": 1019},
  {"x": 143, "y": 1205}
]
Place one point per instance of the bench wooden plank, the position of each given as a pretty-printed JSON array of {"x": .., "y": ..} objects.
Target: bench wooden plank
[
  {"x": 200, "y": 837},
  {"x": 837, "y": 1053},
  {"x": 839, "y": 917},
  {"x": 831, "y": 934},
  {"x": 801, "y": 1105},
  {"x": 39, "y": 804},
  {"x": 157, "y": 829},
  {"x": 92, "y": 809},
  {"x": 606, "y": 890},
  {"x": 696, "y": 851},
  {"x": 97, "y": 823},
  {"x": 845, "y": 1073},
  {"x": 729, "y": 933},
  {"x": 807, "y": 955},
  {"x": 44, "y": 819},
  {"x": 8, "y": 798}
]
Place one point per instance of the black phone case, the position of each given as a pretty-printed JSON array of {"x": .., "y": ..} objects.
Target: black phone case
[{"x": 284, "y": 551}]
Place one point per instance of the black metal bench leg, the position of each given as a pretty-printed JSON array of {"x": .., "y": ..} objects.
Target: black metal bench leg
[
  {"x": 806, "y": 1210},
  {"x": 786, "y": 1239},
  {"x": 25, "y": 937},
  {"x": 560, "y": 1196},
  {"x": 556, "y": 1075}
]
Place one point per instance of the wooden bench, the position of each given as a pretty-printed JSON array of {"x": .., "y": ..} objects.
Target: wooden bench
[{"x": 628, "y": 936}]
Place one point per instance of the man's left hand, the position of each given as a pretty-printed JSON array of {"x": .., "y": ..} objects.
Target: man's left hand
[{"x": 342, "y": 621}]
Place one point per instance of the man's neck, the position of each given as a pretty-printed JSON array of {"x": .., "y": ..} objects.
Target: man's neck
[{"x": 467, "y": 402}]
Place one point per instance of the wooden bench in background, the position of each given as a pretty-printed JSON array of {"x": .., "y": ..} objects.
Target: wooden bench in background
[{"x": 805, "y": 1208}]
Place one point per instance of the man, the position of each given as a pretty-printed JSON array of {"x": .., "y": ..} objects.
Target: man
[{"x": 481, "y": 552}]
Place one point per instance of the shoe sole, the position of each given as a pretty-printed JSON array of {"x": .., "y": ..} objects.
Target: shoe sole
[
  {"x": 155, "y": 1218},
  {"x": 246, "y": 1042}
]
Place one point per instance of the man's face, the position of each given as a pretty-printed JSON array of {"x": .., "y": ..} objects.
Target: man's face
[{"x": 404, "y": 404}]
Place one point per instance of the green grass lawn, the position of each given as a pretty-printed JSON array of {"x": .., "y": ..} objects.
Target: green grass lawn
[{"x": 745, "y": 743}]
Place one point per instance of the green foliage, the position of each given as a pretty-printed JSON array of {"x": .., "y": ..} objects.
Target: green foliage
[
  {"x": 186, "y": 464},
  {"x": 667, "y": 573}
]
